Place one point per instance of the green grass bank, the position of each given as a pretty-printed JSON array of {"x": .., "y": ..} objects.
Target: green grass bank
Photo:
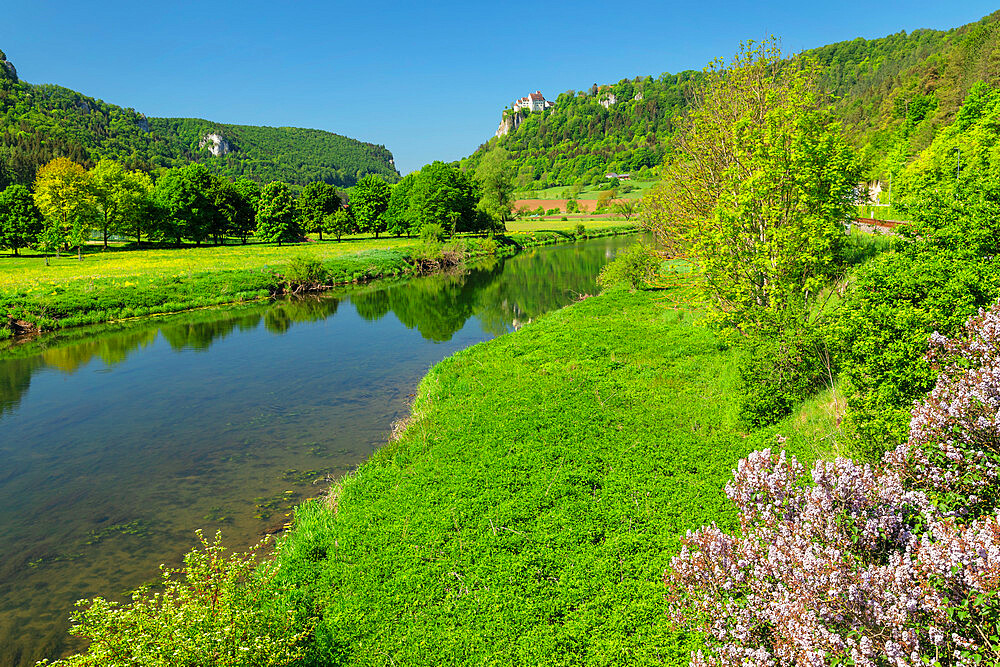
[
  {"x": 527, "y": 511},
  {"x": 143, "y": 283}
]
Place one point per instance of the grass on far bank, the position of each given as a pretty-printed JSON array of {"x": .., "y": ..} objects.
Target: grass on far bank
[
  {"x": 123, "y": 262},
  {"x": 529, "y": 509},
  {"x": 639, "y": 188},
  {"x": 116, "y": 285}
]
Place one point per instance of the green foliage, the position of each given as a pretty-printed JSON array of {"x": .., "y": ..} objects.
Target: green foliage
[
  {"x": 369, "y": 201},
  {"x": 42, "y": 122},
  {"x": 523, "y": 522},
  {"x": 433, "y": 233},
  {"x": 316, "y": 201},
  {"x": 757, "y": 190},
  {"x": 445, "y": 196},
  {"x": 778, "y": 369},
  {"x": 20, "y": 219},
  {"x": 634, "y": 267},
  {"x": 495, "y": 177},
  {"x": 304, "y": 270},
  {"x": 185, "y": 196},
  {"x": 277, "y": 216},
  {"x": 217, "y": 610},
  {"x": 338, "y": 223},
  {"x": 399, "y": 217}
]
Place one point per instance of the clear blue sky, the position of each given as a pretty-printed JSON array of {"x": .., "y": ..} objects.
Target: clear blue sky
[{"x": 427, "y": 79}]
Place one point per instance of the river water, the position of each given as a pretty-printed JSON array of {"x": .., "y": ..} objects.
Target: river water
[{"x": 116, "y": 443}]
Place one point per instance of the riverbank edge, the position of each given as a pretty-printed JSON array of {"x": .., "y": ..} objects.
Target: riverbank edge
[
  {"x": 458, "y": 416},
  {"x": 110, "y": 300}
]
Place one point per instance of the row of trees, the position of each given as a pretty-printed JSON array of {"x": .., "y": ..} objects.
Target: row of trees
[{"x": 69, "y": 203}]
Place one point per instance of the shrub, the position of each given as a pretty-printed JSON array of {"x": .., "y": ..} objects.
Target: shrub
[
  {"x": 216, "y": 610},
  {"x": 552, "y": 211},
  {"x": 635, "y": 267},
  {"x": 777, "y": 370},
  {"x": 897, "y": 565},
  {"x": 304, "y": 270},
  {"x": 579, "y": 230},
  {"x": 433, "y": 233}
]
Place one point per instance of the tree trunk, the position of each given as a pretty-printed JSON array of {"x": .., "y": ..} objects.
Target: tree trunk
[{"x": 79, "y": 253}]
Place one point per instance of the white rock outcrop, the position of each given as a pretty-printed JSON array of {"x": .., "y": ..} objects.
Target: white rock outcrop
[{"x": 216, "y": 144}]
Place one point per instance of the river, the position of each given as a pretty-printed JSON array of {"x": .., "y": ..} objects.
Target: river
[{"x": 117, "y": 442}]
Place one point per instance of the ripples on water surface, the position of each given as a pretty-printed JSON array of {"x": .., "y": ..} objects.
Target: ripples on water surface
[{"x": 115, "y": 448}]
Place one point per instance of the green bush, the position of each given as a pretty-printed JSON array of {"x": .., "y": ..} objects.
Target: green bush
[
  {"x": 433, "y": 232},
  {"x": 634, "y": 267},
  {"x": 778, "y": 370},
  {"x": 217, "y": 610},
  {"x": 305, "y": 270}
]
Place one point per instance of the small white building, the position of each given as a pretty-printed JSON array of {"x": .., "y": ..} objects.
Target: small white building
[{"x": 533, "y": 102}]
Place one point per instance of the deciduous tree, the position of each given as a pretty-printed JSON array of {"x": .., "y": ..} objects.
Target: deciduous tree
[
  {"x": 122, "y": 199},
  {"x": 495, "y": 175},
  {"x": 64, "y": 195},
  {"x": 317, "y": 200},
  {"x": 758, "y": 187},
  {"x": 277, "y": 218},
  {"x": 20, "y": 219},
  {"x": 369, "y": 201}
]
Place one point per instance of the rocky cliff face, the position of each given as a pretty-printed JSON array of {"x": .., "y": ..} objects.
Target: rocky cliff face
[
  {"x": 7, "y": 70},
  {"x": 508, "y": 123},
  {"x": 216, "y": 143}
]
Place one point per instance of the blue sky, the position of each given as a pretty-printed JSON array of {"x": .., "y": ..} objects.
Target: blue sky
[{"x": 428, "y": 79}]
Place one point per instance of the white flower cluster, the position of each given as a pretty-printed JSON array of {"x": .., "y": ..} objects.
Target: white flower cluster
[{"x": 863, "y": 565}]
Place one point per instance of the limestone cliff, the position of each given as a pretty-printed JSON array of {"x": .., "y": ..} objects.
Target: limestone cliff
[{"x": 216, "y": 143}]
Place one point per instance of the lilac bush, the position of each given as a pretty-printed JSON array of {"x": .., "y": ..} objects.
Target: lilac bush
[{"x": 891, "y": 565}]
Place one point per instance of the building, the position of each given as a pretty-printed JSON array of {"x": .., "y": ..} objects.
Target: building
[{"x": 533, "y": 102}]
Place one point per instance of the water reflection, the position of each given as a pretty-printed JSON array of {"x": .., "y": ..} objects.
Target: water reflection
[
  {"x": 119, "y": 441},
  {"x": 502, "y": 294}
]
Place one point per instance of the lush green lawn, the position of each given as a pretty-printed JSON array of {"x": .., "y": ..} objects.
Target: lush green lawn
[
  {"x": 528, "y": 512},
  {"x": 30, "y": 271},
  {"x": 588, "y": 192}
]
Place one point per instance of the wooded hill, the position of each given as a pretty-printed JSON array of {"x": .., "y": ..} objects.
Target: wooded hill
[
  {"x": 41, "y": 122},
  {"x": 892, "y": 94}
]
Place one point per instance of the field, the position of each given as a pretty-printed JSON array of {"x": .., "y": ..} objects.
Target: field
[
  {"x": 588, "y": 192},
  {"x": 25, "y": 271},
  {"x": 554, "y": 224},
  {"x": 528, "y": 511}
]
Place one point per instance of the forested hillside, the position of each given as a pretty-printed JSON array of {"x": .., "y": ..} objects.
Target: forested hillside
[
  {"x": 41, "y": 122},
  {"x": 892, "y": 94}
]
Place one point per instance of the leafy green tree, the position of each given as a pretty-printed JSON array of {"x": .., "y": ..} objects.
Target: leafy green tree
[
  {"x": 758, "y": 189},
  {"x": 495, "y": 175},
  {"x": 399, "y": 218},
  {"x": 64, "y": 195},
  {"x": 20, "y": 219},
  {"x": 277, "y": 215},
  {"x": 121, "y": 197},
  {"x": 369, "y": 201},
  {"x": 316, "y": 201},
  {"x": 338, "y": 223},
  {"x": 245, "y": 215},
  {"x": 186, "y": 196},
  {"x": 443, "y": 195}
]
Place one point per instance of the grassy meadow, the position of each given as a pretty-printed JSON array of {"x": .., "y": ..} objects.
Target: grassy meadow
[
  {"x": 527, "y": 511},
  {"x": 639, "y": 188},
  {"x": 119, "y": 284}
]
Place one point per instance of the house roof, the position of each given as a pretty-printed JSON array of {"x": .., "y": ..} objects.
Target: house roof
[{"x": 537, "y": 96}]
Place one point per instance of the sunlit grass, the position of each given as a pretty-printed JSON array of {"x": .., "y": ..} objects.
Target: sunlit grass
[{"x": 30, "y": 272}]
